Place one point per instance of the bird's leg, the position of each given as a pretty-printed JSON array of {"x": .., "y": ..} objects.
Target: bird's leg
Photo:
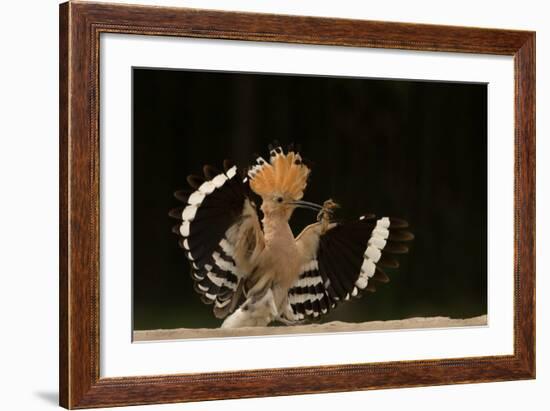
[
  {"x": 288, "y": 317},
  {"x": 256, "y": 311},
  {"x": 326, "y": 213}
]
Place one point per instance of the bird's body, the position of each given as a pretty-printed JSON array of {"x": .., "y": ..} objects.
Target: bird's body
[
  {"x": 280, "y": 259},
  {"x": 256, "y": 273}
]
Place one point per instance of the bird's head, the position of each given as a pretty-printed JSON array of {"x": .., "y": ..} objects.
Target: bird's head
[{"x": 280, "y": 182}]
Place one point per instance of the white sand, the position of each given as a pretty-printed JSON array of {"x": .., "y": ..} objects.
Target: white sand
[{"x": 335, "y": 326}]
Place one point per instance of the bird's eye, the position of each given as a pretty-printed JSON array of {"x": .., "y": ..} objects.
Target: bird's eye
[{"x": 279, "y": 199}]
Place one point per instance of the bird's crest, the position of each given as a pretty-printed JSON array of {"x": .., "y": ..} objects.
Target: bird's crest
[{"x": 284, "y": 173}]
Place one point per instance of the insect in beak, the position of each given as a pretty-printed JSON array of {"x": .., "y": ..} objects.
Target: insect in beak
[{"x": 306, "y": 204}]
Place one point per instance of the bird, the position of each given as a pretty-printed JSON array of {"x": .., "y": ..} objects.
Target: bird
[{"x": 245, "y": 260}]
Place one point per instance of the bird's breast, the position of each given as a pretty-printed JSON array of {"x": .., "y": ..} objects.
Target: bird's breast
[
  {"x": 281, "y": 259},
  {"x": 282, "y": 264}
]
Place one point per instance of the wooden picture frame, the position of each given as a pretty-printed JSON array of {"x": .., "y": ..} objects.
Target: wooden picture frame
[{"x": 81, "y": 24}]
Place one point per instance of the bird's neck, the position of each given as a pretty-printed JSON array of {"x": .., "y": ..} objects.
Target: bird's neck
[{"x": 277, "y": 230}]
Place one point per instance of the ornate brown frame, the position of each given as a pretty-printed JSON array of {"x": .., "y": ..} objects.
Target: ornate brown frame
[{"x": 81, "y": 24}]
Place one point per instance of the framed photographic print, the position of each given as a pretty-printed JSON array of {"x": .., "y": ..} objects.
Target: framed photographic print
[{"x": 256, "y": 205}]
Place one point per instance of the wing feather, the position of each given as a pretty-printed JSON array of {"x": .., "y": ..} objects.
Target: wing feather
[
  {"x": 349, "y": 257},
  {"x": 220, "y": 234}
]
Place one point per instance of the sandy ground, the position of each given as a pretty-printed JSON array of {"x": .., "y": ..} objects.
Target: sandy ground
[{"x": 335, "y": 326}]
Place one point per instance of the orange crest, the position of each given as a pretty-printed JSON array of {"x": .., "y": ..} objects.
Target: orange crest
[{"x": 285, "y": 174}]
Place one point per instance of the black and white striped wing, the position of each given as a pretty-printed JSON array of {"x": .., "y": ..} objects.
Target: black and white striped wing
[
  {"x": 220, "y": 234},
  {"x": 343, "y": 261}
]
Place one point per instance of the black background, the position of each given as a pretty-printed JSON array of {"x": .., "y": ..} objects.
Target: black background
[{"x": 410, "y": 149}]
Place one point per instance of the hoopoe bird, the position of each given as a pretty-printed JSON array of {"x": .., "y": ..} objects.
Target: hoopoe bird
[{"x": 256, "y": 272}]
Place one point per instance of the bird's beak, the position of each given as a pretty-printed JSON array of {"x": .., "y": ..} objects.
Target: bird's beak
[{"x": 306, "y": 204}]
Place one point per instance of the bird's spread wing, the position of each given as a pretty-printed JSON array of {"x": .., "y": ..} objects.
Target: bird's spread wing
[
  {"x": 341, "y": 260},
  {"x": 220, "y": 234}
]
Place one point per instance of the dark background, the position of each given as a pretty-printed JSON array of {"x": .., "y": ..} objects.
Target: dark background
[{"x": 411, "y": 149}]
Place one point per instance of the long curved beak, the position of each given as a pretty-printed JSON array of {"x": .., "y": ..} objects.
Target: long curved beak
[{"x": 306, "y": 204}]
